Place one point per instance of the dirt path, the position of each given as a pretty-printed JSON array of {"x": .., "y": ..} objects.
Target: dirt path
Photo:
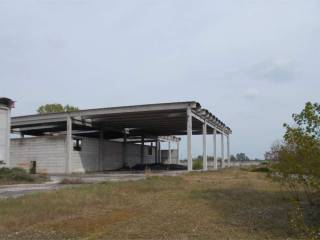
[{"x": 19, "y": 190}]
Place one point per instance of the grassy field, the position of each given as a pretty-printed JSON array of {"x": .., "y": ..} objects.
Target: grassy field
[{"x": 228, "y": 204}]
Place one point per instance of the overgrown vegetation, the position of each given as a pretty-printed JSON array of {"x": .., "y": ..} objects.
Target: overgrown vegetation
[
  {"x": 296, "y": 165},
  {"x": 18, "y": 175},
  {"x": 197, "y": 164},
  {"x": 225, "y": 204},
  {"x": 261, "y": 168}
]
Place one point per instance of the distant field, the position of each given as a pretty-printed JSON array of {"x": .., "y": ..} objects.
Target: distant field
[{"x": 228, "y": 204}]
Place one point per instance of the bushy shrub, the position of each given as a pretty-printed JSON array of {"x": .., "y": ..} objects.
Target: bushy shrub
[
  {"x": 260, "y": 169},
  {"x": 15, "y": 175},
  {"x": 197, "y": 164},
  {"x": 295, "y": 162}
]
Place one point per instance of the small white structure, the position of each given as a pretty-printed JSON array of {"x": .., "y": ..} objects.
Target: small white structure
[{"x": 5, "y": 118}]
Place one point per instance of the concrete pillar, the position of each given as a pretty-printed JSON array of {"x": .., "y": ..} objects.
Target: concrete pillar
[
  {"x": 204, "y": 146},
  {"x": 124, "y": 152},
  {"x": 159, "y": 152},
  {"x": 169, "y": 152},
  {"x": 178, "y": 158},
  {"x": 5, "y": 130},
  {"x": 228, "y": 150},
  {"x": 142, "y": 150},
  {"x": 215, "y": 160},
  {"x": 156, "y": 151},
  {"x": 151, "y": 145},
  {"x": 101, "y": 145},
  {"x": 69, "y": 146},
  {"x": 222, "y": 151},
  {"x": 189, "y": 138}
]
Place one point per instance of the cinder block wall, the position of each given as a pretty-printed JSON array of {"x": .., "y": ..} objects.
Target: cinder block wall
[
  {"x": 48, "y": 152},
  {"x": 165, "y": 156},
  {"x": 4, "y": 135},
  {"x": 113, "y": 155},
  {"x": 86, "y": 160}
]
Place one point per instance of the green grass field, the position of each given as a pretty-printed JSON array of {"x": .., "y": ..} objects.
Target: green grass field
[{"x": 228, "y": 204}]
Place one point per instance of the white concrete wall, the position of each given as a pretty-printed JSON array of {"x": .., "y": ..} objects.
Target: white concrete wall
[
  {"x": 113, "y": 155},
  {"x": 86, "y": 160},
  {"x": 48, "y": 152},
  {"x": 165, "y": 156},
  {"x": 4, "y": 136}
]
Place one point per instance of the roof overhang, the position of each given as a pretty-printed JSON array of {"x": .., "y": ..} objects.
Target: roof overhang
[{"x": 161, "y": 119}]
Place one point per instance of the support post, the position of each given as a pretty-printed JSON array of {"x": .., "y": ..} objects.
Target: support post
[
  {"x": 215, "y": 160},
  {"x": 228, "y": 150},
  {"x": 204, "y": 146},
  {"x": 159, "y": 152},
  {"x": 156, "y": 151},
  {"x": 142, "y": 150},
  {"x": 178, "y": 158},
  {"x": 169, "y": 152},
  {"x": 69, "y": 145},
  {"x": 189, "y": 138},
  {"x": 124, "y": 152},
  {"x": 222, "y": 151},
  {"x": 151, "y": 145},
  {"x": 101, "y": 141}
]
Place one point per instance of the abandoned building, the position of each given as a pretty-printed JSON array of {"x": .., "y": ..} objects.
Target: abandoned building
[{"x": 102, "y": 139}]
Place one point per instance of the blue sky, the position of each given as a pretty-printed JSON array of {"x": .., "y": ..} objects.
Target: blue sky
[{"x": 251, "y": 63}]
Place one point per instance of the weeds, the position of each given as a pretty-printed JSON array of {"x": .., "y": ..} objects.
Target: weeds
[{"x": 18, "y": 175}]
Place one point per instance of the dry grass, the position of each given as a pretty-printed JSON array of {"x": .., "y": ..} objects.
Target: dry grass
[{"x": 229, "y": 204}]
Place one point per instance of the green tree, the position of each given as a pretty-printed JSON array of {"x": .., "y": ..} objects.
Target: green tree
[
  {"x": 299, "y": 154},
  {"x": 69, "y": 108},
  {"x": 56, "y": 107},
  {"x": 233, "y": 158},
  {"x": 295, "y": 162},
  {"x": 242, "y": 157}
]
